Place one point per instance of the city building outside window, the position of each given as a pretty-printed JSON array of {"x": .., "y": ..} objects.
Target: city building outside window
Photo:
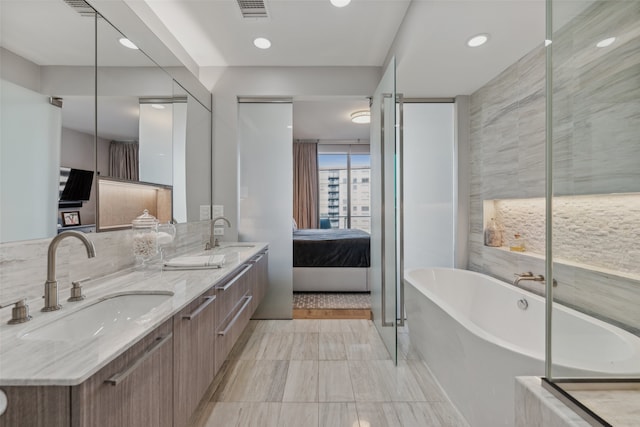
[{"x": 345, "y": 207}]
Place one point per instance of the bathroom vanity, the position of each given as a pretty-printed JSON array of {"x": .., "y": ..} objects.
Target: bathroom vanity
[{"x": 153, "y": 370}]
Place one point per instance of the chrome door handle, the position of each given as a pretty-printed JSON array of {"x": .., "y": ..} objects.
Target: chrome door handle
[
  {"x": 235, "y": 279},
  {"x": 400, "y": 177},
  {"x": 237, "y": 316},
  {"x": 121, "y": 376},
  {"x": 197, "y": 311}
]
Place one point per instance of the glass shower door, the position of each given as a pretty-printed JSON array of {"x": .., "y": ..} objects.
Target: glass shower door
[{"x": 384, "y": 264}]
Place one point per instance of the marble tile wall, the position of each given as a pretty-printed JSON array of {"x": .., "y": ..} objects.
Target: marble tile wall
[
  {"x": 596, "y": 122},
  {"x": 536, "y": 407},
  {"x": 23, "y": 265}
]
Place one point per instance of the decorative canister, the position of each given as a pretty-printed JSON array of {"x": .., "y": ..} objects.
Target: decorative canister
[
  {"x": 166, "y": 234},
  {"x": 145, "y": 237}
]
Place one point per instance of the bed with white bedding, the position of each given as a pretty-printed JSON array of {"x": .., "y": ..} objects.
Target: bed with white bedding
[{"x": 331, "y": 260}]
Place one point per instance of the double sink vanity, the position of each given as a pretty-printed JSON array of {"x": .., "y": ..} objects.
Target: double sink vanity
[{"x": 141, "y": 350}]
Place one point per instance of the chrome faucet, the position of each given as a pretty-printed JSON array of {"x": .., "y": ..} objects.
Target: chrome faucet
[
  {"x": 213, "y": 240},
  {"x": 529, "y": 276},
  {"x": 51, "y": 285}
]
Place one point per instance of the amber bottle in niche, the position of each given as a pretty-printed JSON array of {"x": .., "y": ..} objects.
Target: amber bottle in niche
[
  {"x": 517, "y": 244},
  {"x": 492, "y": 234}
]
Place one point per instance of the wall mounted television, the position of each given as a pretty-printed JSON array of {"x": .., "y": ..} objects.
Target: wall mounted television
[{"x": 75, "y": 186}]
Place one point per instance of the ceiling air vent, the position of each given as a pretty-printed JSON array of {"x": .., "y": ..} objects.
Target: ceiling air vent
[
  {"x": 253, "y": 8},
  {"x": 82, "y": 7}
]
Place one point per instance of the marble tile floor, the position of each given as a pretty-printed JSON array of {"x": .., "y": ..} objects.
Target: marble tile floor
[{"x": 324, "y": 373}]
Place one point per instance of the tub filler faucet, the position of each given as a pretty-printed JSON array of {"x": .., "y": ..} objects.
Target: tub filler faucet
[{"x": 530, "y": 276}]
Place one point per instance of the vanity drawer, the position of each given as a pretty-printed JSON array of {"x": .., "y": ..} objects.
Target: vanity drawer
[
  {"x": 232, "y": 327},
  {"x": 230, "y": 292}
]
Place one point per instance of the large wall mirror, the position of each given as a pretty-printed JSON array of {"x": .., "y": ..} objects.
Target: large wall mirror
[{"x": 143, "y": 128}]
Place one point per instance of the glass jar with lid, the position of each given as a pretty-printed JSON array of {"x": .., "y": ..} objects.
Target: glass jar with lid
[{"x": 145, "y": 237}]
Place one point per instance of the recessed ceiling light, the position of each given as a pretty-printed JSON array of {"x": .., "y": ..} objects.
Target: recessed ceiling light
[
  {"x": 128, "y": 43},
  {"x": 262, "y": 43},
  {"x": 157, "y": 106},
  {"x": 478, "y": 40},
  {"x": 340, "y": 3},
  {"x": 361, "y": 117},
  {"x": 606, "y": 42}
]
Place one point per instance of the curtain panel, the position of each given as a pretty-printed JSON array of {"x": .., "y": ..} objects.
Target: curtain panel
[
  {"x": 305, "y": 184},
  {"x": 123, "y": 160}
]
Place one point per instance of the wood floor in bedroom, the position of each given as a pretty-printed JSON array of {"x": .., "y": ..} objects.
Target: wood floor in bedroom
[
  {"x": 324, "y": 373},
  {"x": 329, "y": 305}
]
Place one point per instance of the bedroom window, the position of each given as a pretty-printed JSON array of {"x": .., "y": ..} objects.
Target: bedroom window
[{"x": 345, "y": 205}]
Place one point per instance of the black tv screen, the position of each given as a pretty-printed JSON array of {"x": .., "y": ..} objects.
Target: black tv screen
[{"x": 77, "y": 185}]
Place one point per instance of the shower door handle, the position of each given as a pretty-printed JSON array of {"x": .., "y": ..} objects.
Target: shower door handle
[
  {"x": 382, "y": 220},
  {"x": 400, "y": 178}
]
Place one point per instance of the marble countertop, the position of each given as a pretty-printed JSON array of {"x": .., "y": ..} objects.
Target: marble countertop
[{"x": 56, "y": 362}]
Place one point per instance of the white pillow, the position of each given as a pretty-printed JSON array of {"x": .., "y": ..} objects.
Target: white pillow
[{"x": 295, "y": 225}]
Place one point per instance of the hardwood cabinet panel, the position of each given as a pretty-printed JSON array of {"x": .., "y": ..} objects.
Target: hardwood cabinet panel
[
  {"x": 135, "y": 390},
  {"x": 194, "y": 339},
  {"x": 37, "y": 406}
]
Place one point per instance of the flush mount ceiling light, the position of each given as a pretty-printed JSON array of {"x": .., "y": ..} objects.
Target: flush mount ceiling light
[
  {"x": 478, "y": 40},
  {"x": 361, "y": 117},
  {"x": 340, "y": 3},
  {"x": 262, "y": 43},
  {"x": 128, "y": 43},
  {"x": 606, "y": 42}
]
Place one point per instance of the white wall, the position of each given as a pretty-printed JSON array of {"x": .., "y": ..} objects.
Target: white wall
[
  {"x": 156, "y": 144},
  {"x": 270, "y": 82},
  {"x": 429, "y": 185},
  {"x": 266, "y": 196},
  {"x": 198, "y": 158},
  {"x": 30, "y": 136},
  {"x": 179, "y": 162}
]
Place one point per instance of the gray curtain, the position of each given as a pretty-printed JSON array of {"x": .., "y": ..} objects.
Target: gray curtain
[
  {"x": 123, "y": 160},
  {"x": 305, "y": 184}
]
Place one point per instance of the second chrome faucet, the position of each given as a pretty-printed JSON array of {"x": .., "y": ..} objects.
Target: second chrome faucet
[{"x": 213, "y": 240}]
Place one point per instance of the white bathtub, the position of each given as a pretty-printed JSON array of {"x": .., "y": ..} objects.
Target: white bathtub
[{"x": 476, "y": 340}]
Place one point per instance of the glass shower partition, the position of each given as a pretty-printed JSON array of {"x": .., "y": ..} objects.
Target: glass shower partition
[
  {"x": 384, "y": 219},
  {"x": 593, "y": 207}
]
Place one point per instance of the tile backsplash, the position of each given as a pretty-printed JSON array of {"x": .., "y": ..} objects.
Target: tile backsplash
[{"x": 23, "y": 265}]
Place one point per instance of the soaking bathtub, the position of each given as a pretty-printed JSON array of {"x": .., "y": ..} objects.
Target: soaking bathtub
[{"x": 476, "y": 336}]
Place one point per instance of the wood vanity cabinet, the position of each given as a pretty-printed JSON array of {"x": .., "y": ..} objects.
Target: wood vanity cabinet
[
  {"x": 233, "y": 313},
  {"x": 194, "y": 340},
  {"x": 259, "y": 278},
  {"x": 161, "y": 379},
  {"x": 36, "y": 406},
  {"x": 135, "y": 390}
]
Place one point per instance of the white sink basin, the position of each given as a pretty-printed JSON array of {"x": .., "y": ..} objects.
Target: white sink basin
[
  {"x": 233, "y": 247},
  {"x": 111, "y": 314}
]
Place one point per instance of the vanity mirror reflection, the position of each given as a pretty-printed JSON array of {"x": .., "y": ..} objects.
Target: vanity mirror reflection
[{"x": 52, "y": 118}]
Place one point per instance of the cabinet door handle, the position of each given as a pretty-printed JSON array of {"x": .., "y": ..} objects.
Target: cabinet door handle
[
  {"x": 257, "y": 260},
  {"x": 232, "y": 282},
  {"x": 194, "y": 313},
  {"x": 121, "y": 376},
  {"x": 235, "y": 318}
]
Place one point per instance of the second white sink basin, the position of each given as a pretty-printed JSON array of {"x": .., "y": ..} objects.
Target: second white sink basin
[
  {"x": 233, "y": 247},
  {"x": 110, "y": 314}
]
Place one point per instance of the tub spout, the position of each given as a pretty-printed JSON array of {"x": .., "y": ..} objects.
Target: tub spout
[
  {"x": 527, "y": 276},
  {"x": 530, "y": 276}
]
